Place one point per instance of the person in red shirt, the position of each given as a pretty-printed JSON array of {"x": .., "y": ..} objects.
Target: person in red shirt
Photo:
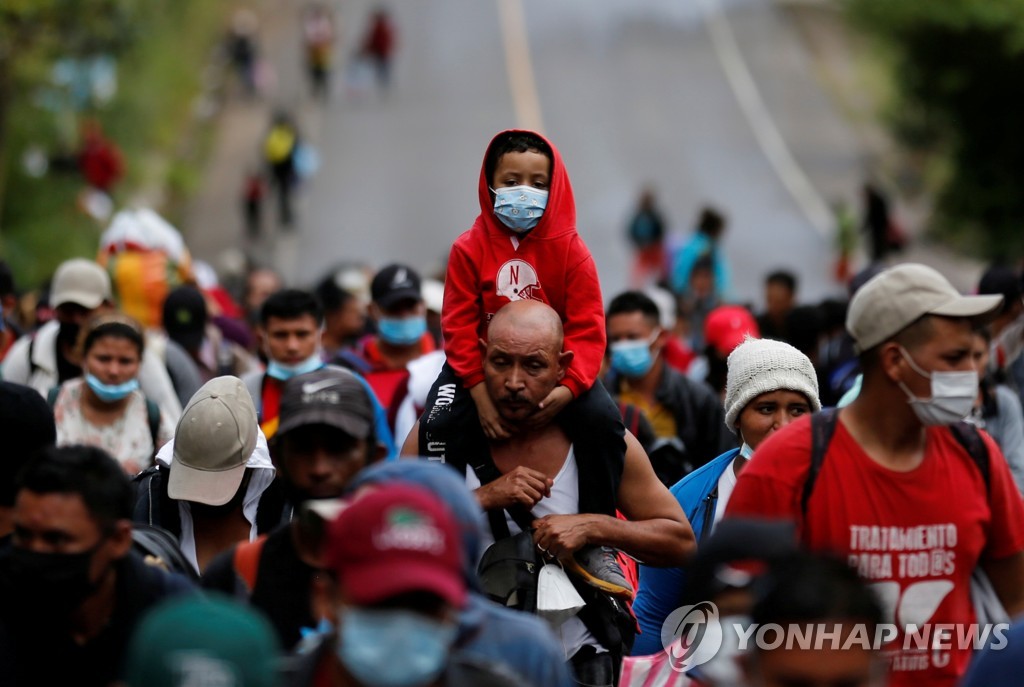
[
  {"x": 290, "y": 322},
  {"x": 402, "y": 336},
  {"x": 100, "y": 159},
  {"x": 523, "y": 246},
  {"x": 897, "y": 494},
  {"x": 379, "y": 46}
]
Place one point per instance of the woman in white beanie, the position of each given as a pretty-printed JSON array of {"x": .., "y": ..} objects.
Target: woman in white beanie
[{"x": 769, "y": 384}]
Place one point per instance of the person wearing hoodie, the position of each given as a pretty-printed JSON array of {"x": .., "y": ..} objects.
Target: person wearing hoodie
[
  {"x": 523, "y": 246},
  {"x": 213, "y": 483}
]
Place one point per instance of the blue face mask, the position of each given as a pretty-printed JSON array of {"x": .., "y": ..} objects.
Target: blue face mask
[
  {"x": 402, "y": 331},
  {"x": 110, "y": 393},
  {"x": 520, "y": 207},
  {"x": 633, "y": 358},
  {"x": 393, "y": 648},
  {"x": 285, "y": 372}
]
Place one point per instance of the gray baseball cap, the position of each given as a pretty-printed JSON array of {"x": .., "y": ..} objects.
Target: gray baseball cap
[
  {"x": 896, "y": 298},
  {"x": 329, "y": 396},
  {"x": 215, "y": 437}
]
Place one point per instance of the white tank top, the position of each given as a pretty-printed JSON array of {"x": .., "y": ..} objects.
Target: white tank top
[{"x": 564, "y": 500}]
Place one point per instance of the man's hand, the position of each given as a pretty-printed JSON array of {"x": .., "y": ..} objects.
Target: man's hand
[
  {"x": 521, "y": 486},
  {"x": 494, "y": 427},
  {"x": 559, "y": 398},
  {"x": 559, "y": 536}
]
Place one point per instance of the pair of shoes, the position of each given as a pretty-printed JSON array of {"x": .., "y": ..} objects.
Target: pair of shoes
[{"x": 598, "y": 567}]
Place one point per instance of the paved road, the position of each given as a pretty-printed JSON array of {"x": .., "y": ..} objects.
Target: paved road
[{"x": 631, "y": 93}]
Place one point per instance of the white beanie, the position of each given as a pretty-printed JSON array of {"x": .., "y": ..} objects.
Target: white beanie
[{"x": 758, "y": 366}]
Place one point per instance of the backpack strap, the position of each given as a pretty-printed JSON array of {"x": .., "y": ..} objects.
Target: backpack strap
[
  {"x": 51, "y": 396},
  {"x": 246, "y": 561},
  {"x": 486, "y": 471},
  {"x": 630, "y": 417},
  {"x": 968, "y": 436},
  {"x": 823, "y": 426},
  {"x": 32, "y": 366},
  {"x": 153, "y": 418}
]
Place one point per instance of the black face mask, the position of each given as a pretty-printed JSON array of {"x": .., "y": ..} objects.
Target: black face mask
[
  {"x": 203, "y": 511},
  {"x": 48, "y": 582},
  {"x": 68, "y": 333}
]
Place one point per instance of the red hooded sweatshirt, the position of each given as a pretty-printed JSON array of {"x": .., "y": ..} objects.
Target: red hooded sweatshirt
[{"x": 490, "y": 265}]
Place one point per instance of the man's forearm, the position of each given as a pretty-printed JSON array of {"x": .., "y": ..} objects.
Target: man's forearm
[{"x": 659, "y": 542}]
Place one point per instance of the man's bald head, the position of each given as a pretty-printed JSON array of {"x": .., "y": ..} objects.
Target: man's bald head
[
  {"x": 528, "y": 320},
  {"x": 523, "y": 358}
]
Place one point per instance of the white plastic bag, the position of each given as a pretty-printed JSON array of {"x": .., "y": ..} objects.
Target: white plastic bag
[{"x": 557, "y": 598}]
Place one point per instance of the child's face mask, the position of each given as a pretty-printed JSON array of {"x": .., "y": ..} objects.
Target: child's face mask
[{"x": 520, "y": 207}]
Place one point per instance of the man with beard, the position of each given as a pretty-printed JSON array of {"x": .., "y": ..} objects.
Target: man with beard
[
  {"x": 562, "y": 489},
  {"x": 72, "y": 589},
  {"x": 325, "y": 436},
  {"x": 46, "y": 359}
]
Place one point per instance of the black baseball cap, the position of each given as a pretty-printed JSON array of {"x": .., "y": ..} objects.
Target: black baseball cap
[
  {"x": 394, "y": 284},
  {"x": 328, "y": 396},
  {"x": 747, "y": 543},
  {"x": 1004, "y": 281},
  {"x": 185, "y": 316}
]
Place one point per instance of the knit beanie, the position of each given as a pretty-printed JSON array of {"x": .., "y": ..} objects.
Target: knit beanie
[{"x": 758, "y": 366}]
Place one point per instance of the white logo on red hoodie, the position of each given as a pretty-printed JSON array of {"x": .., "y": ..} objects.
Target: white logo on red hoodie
[{"x": 517, "y": 281}]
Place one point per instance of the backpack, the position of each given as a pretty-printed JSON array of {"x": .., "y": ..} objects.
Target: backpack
[
  {"x": 158, "y": 547},
  {"x": 152, "y": 415},
  {"x": 246, "y": 563},
  {"x": 509, "y": 570}
]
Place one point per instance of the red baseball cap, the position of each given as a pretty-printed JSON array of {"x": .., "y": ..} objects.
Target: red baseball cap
[
  {"x": 394, "y": 540},
  {"x": 727, "y": 326}
]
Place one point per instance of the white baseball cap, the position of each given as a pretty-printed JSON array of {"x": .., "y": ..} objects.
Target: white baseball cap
[{"x": 82, "y": 282}]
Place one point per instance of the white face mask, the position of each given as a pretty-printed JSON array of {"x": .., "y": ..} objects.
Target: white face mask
[
  {"x": 723, "y": 670},
  {"x": 953, "y": 395}
]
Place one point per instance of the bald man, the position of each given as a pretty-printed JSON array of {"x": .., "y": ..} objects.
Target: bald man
[{"x": 538, "y": 478}]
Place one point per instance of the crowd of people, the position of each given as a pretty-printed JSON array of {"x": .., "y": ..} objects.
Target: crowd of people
[{"x": 502, "y": 477}]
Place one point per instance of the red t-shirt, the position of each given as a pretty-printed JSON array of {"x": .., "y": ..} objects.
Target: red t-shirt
[
  {"x": 383, "y": 377},
  {"x": 915, "y": 537}
]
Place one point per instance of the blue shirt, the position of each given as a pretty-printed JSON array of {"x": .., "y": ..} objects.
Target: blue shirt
[
  {"x": 661, "y": 589},
  {"x": 998, "y": 666}
]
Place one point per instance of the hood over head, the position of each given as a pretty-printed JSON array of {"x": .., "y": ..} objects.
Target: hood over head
[{"x": 561, "y": 207}]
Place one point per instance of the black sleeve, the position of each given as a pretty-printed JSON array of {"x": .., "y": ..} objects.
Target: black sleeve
[{"x": 220, "y": 574}]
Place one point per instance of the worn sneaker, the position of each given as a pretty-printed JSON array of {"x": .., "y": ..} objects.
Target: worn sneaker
[{"x": 597, "y": 566}]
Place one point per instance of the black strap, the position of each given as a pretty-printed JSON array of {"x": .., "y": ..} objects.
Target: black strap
[
  {"x": 32, "y": 367},
  {"x": 486, "y": 471},
  {"x": 630, "y": 417},
  {"x": 823, "y": 426},
  {"x": 968, "y": 436},
  {"x": 153, "y": 416}
]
